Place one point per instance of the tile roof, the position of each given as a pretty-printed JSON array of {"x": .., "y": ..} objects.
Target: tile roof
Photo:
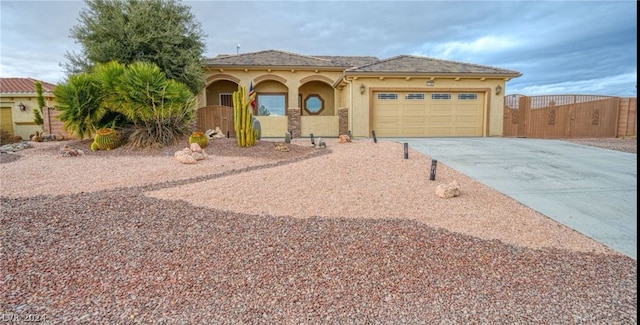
[
  {"x": 401, "y": 64},
  {"x": 282, "y": 58},
  {"x": 417, "y": 64},
  {"x": 23, "y": 86}
]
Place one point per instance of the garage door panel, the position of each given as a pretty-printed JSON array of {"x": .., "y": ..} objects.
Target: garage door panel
[
  {"x": 385, "y": 120},
  {"x": 387, "y": 132},
  {"x": 411, "y": 120},
  {"x": 470, "y": 131},
  {"x": 440, "y": 131},
  {"x": 413, "y": 110},
  {"x": 467, "y": 120},
  {"x": 413, "y": 132},
  {"x": 439, "y": 108},
  {"x": 412, "y": 115},
  {"x": 467, "y": 109},
  {"x": 441, "y": 119}
]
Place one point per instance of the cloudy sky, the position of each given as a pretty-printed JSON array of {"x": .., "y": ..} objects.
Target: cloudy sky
[{"x": 560, "y": 47}]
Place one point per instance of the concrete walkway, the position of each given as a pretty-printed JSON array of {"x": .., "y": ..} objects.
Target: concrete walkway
[{"x": 589, "y": 189}]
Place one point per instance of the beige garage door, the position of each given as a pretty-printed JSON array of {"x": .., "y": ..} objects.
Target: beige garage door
[
  {"x": 427, "y": 114},
  {"x": 6, "y": 121}
]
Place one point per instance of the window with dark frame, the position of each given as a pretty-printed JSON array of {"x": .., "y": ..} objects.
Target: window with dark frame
[
  {"x": 414, "y": 96},
  {"x": 440, "y": 96},
  {"x": 387, "y": 96},
  {"x": 467, "y": 96}
]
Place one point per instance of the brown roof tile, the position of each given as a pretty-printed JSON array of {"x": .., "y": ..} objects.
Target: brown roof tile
[
  {"x": 402, "y": 64},
  {"x": 417, "y": 64},
  {"x": 23, "y": 86},
  {"x": 282, "y": 58},
  {"x": 350, "y": 61}
]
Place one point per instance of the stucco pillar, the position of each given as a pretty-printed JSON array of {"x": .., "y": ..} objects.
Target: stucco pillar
[
  {"x": 293, "y": 121},
  {"x": 343, "y": 121}
]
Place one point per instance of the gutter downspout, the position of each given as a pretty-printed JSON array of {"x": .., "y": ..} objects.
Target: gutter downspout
[{"x": 350, "y": 115}]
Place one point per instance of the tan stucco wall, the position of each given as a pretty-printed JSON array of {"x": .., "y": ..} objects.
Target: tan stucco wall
[
  {"x": 324, "y": 126},
  {"x": 265, "y": 80},
  {"x": 272, "y": 126},
  {"x": 23, "y": 124}
]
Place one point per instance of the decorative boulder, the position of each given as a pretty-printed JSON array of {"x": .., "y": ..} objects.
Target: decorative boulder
[
  {"x": 217, "y": 134},
  {"x": 190, "y": 155},
  {"x": 67, "y": 151},
  {"x": 447, "y": 191},
  {"x": 282, "y": 147},
  {"x": 194, "y": 147},
  {"x": 343, "y": 138}
]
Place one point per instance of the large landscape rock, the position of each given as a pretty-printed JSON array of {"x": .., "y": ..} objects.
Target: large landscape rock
[{"x": 447, "y": 191}]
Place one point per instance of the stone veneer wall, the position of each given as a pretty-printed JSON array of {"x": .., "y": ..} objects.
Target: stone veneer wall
[
  {"x": 294, "y": 121},
  {"x": 343, "y": 122}
]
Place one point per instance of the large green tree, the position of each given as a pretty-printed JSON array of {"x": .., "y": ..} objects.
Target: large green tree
[{"x": 162, "y": 32}]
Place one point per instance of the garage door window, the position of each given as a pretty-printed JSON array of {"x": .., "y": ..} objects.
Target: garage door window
[
  {"x": 467, "y": 96},
  {"x": 418, "y": 96},
  {"x": 387, "y": 96},
  {"x": 441, "y": 96}
]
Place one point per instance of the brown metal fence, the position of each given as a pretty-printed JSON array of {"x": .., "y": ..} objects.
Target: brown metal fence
[
  {"x": 628, "y": 118},
  {"x": 52, "y": 123},
  {"x": 569, "y": 116}
]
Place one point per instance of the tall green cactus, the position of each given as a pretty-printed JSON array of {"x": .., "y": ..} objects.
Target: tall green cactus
[
  {"x": 106, "y": 139},
  {"x": 243, "y": 118}
]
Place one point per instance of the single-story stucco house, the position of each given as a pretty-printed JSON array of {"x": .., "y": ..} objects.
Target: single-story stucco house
[
  {"x": 18, "y": 98},
  {"x": 402, "y": 96}
]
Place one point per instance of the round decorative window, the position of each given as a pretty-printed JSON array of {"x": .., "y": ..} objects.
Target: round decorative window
[{"x": 313, "y": 104}]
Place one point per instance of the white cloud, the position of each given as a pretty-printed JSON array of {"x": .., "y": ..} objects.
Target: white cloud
[{"x": 456, "y": 50}]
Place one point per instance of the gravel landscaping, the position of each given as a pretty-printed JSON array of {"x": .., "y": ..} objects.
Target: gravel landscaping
[{"x": 351, "y": 234}]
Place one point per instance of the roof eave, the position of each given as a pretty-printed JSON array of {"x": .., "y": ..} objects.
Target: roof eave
[
  {"x": 274, "y": 67},
  {"x": 431, "y": 74}
]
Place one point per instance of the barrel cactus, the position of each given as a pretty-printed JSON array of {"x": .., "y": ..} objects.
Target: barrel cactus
[
  {"x": 200, "y": 138},
  {"x": 106, "y": 139}
]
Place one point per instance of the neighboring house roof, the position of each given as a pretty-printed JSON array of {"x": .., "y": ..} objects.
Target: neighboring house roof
[
  {"x": 23, "y": 86},
  {"x": 410, "y": 64},
  {"x": 275, "y": 58}
]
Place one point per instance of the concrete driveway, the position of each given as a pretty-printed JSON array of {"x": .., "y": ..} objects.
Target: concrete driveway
[{"x": 589, "y": 189}]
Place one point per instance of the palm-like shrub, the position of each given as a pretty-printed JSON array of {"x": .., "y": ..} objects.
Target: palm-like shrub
[
  {"x": 80, "y": 98},
  {"x": 139, "y": 98},
  {"x": 160, "y": 109}
]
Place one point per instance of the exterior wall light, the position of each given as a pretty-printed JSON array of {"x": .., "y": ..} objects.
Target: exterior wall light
[
  {"x": 430, "y": 83},
  {"x": 498, "y": 90},
  {"x": 362, "y": 89},
  {"x": 22, "y": 107}
]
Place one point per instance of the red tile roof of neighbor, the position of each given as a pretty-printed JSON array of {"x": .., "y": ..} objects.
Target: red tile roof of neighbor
[{"x": 23, "y": 86}]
